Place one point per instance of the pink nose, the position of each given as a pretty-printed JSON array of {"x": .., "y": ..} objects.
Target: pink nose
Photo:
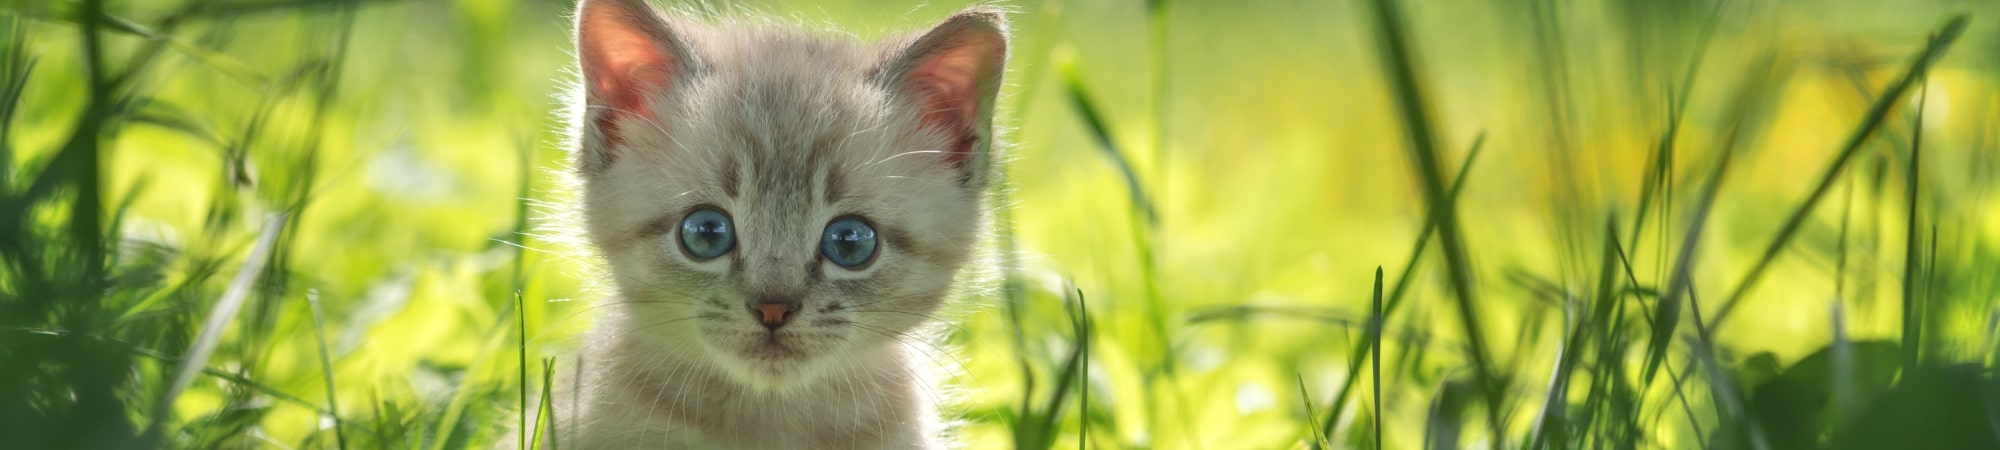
[{"x": 773, "y": 314}]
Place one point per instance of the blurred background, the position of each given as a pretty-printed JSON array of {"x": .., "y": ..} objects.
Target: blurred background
[{"x": 1677, "y": 224}]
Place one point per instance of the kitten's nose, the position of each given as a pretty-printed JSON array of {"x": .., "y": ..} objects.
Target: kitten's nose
[{"x": 772, "y": 314}]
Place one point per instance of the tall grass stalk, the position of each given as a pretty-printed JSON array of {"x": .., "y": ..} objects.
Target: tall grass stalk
[
  {"x": 1414, "y": 106},
  {"x": 1912, "y": 309},
  {"x": 545, "y": 416},
  {"x": 218, "y": 317},
  {"x": 521, "y": 322},
  {"x": 1370, "y": 346},
  {"x": 1659, "y": 168},
  {"x": 15, "y": 66},
  {"x": 1553, "y": 428},
  {"x": 1312, "y": 417},
  {"x": 1871, "y": 122},
  {"x": 326, "y": 371},
  {"x": 447, "y": 423},
  {"x": 1035, "y": 427},
  {"x": 1144, "y": 241},
  {"x": 1751, "y": 96},
  {"x": 1729, "y": 398},
  {"x": 1375, "y": 366}
]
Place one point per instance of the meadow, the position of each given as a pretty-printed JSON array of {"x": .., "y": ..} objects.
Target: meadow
[{"x": 1711, "y": 224}]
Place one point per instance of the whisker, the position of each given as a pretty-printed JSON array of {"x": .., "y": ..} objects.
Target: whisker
[
  {"x": 573, "y": 315},
  {"x": 912, "y": 340},
  {"x": 899, "y": 155},
  {"x": 614, "y": 337},
  {"x": 896, "y": 298},
  {"x": 932, "y": 317},
  {"x": 936, "y": 398}
]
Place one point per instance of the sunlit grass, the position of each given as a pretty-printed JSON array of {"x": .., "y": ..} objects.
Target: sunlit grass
[{"x": 325, "y": 224}]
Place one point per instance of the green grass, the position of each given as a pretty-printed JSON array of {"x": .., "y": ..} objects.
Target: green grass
[{"x": 314, "y": 224}]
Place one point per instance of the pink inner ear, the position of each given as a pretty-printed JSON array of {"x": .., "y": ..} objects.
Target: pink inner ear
[
  {"x": 948, "y": 85},
  {"x": 944, "y": 111},
  {"x": 621, "y": 63}
]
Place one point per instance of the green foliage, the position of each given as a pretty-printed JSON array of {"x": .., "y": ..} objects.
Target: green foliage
[{"x": 314, "y": 224}]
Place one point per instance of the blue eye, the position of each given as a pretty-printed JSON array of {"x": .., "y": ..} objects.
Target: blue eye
[
  {"x": 707, "y": 233},
  {"x": 848, "y": 242}
]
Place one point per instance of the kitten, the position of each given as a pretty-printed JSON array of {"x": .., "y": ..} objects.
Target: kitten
[{"x": 782, "y": 211}]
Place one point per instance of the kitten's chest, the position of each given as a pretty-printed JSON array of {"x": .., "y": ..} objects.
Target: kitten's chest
[{"x": 844, "y": 412}]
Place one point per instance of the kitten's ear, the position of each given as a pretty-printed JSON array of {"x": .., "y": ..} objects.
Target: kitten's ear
[
  {"x": 629, "y": 54},
  {"x": 953, "y": 73}
]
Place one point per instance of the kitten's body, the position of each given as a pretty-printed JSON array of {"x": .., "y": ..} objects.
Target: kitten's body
[
  {"x": 783, "y": 338},
  {"x": 677, "y": 402}
]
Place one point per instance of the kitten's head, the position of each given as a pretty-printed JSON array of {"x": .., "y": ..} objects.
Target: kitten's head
[{"x": 780, "y": 200}]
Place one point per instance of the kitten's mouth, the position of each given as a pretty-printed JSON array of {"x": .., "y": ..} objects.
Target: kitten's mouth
[{"x": 770, "y": 349}]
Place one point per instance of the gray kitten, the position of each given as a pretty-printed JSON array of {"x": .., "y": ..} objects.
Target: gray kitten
[{"x": 783, "y": 212}]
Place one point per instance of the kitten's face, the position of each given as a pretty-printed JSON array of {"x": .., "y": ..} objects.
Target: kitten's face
[{"x": 778, "y": 201}]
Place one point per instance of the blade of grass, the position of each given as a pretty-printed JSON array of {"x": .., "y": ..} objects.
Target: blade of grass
[
  {"x": 87, "y": 216},
  {"x": 1551, "y": 70},
  {"x": 77, "y": 162},
  {"x": 1330, "y": 316},
  {"x": 1083, "y": 372},
  {"x": 220, "y": 62},
  {"x": 1728, "y": 396},
  {"x": 1658, "y": 169},
  {"x": 117, "y": 216},
  {"x": 461, "y": 396},
  {"x": 1846, "y": 222},
  {"x": 1610, "y": 349},
  {"x": 1930, "y": 286},
  {"x": 1016, "y": 299},
  {"x": 1366, "y": 347},
  {"x": 328, "y": 34},
  {"x": 521, "y": 326},
  {"x": 1877, "y": 113},
  {"x": 238, "y": 9},
  {"x": 1680, "y": 396},
  {"x": 1841, "y": 356},
  {"x": 218, "y": 317},
  {"x": 15, "y": 67},
  {"x": 1411, "y": 99},
  {"x": 1992, "y": 354},
  {"x": 1375, "y": 367},
  {"x": 1875, "y": 184},
  {"x": 1913, "y": 320},
  {"x": 548, "y": 393},
  {"x": 1158, "y": 13},
  {"x": 326, "y": 370},
  {"x": 140, "y": 62},
  {"x": 1553, "y": 428},
  {"x": 1142, "y": 238},
  {"x": 1447, "y": 410},
  {"x": 234, "y": 379},
  {"x": 1071, "y": 372},
  {"x": 1100, "y": 132},
  {"x": 544, "y": 416},
  {"x": 167, "y": 116},
  {"x": 1666, "y": 314},
  {"x": 1312, "y": 418},
  {"x": 1141, "y": 200},
  {"x": 1844, "y": 394}
]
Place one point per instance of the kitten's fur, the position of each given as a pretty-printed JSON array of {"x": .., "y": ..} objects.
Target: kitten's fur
[{"x": 784, "y": 130}]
